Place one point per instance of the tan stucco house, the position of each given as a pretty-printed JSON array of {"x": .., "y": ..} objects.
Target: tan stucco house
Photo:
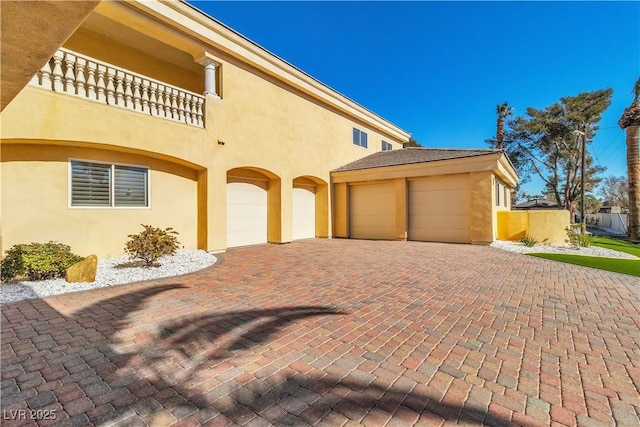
[{"x": 149, "y": 112}]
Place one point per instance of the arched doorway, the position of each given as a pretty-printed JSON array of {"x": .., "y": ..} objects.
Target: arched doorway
[
  {"x": 251, "y": 211},
  {"x": 309, "y": 210}
]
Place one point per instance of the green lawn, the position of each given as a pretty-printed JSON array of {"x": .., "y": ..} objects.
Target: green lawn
[
  {"x": 617, "y": 245},
  {"x": 626, "y": 266}
]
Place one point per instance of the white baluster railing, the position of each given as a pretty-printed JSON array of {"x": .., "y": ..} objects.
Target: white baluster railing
[{"x": 85, "y": 77}]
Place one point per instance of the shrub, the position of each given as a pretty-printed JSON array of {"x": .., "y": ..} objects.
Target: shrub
[
  {"x": 37, "y": 261},
  {"x": 151, "y": 244},
  {"x": 529, "y": 241},
  {"x": 578, "y": 240},
  {"x": 585, "y": 240}
]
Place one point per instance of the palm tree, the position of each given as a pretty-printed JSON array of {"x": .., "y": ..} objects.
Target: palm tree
[
  {"x": 503, "y": 110},
  {"x": 630, "y": 121}
]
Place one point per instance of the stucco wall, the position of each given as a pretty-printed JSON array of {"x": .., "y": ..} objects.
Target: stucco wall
[
  {"x": 546, "y": 226},
  {"x": 303, "y": 139},
  {"x": 35, "y": 201},
  {"x": 185, "y": 73},
  {"x": 482, "y": 210},
  {"x": 30, "y": 35},
  {"x": 265, "y": 124},
  {"x": 282, "y": 132},
  {"x": 340, "y": 213},
  {"x": 512, "y": 225},
  {"x": 504, "y": 205},
  {"x": 38, "y": 115},
  {"x": 285, "y": 131}
]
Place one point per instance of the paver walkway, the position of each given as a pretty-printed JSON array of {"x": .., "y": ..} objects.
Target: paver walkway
[{"x": 334, "y": 332}]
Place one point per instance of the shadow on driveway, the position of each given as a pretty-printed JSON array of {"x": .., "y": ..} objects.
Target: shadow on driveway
[{"x": 84, "y": 367}]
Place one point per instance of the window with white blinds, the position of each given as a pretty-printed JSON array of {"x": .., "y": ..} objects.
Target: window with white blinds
[
  {"x": 90, "y": 184},
  {"x": 130, "y": 186},
  {"x": 105, "y": 185}
]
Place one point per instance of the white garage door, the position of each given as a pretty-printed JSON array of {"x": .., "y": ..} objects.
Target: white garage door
[
  {"x": 304, "y": 214},
  {"x": 372, "y": 211},
  {"x": 246, "y": 214},
  {"x": 440, "y": 209}
]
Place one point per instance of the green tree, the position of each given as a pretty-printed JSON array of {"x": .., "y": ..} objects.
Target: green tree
[
  {"x": 546, "y": 143},
  {"x": 630, "y": 121},
  {"x": 412, "y": 143}
]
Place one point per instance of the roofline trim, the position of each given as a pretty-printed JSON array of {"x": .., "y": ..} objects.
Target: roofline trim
[
  {"x": 420, "y": 161},
  {"x": 210, "y": 32}
]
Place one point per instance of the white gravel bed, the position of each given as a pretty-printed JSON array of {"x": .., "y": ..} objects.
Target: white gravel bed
[
  {"x": 590, "y": 251},
  {"x": 112, "y": 271}
]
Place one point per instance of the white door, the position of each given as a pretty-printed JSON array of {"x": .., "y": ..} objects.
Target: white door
[
  {"x": 304, "y": 214},
  {"x": 246, "y": 214},
  {"x": 440, "y": 209},
  {"x": 372, "y": 211}
]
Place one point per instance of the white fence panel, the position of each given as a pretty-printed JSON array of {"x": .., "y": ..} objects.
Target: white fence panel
[{"x": 618, "y": 222}]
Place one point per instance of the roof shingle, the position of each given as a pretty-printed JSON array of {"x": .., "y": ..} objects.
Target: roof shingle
[{"x": 413, "y": 155}]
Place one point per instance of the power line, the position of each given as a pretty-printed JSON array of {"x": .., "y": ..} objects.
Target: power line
[
  {"x": 611, "y": 152},
  {"x": 610, "y": 127}
]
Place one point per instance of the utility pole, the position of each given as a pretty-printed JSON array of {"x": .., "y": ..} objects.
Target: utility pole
[
  {"x": 583, "y": 216},
  {"x": 583, "y": 152}
]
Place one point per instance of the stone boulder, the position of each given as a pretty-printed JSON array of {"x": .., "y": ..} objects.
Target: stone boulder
[{"x": 83, "y": 271}]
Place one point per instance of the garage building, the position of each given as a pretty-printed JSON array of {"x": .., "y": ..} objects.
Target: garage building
[{"x": 423, "y": 194}]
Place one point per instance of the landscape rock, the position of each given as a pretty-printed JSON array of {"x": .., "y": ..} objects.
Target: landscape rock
[
  {"x": 111, "y": 271},
  {"x": 83, "y": 271}
]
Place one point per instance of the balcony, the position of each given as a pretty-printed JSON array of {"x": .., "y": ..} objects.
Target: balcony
[{"x": 85, "y": 77}]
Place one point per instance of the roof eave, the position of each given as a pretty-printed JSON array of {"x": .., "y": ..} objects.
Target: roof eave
[
  {"x": 479, "y": 163},
  {"x": 209, "y": 33},
  {"x": 412, "y": 162}
]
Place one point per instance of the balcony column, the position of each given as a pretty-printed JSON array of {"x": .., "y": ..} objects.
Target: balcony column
[
  {"x": 211, "y": 70},
  {"x": 210, "y": 78}
]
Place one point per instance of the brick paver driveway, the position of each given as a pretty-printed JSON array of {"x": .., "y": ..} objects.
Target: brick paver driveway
[{"x": 334, "y": 332}]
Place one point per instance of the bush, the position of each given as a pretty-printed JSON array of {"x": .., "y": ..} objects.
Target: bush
[
  {"x": 37, "y": 261},
  {"x": 529, "y": 241},
  {"x": 151, "y": 244},
  {"x": 578, "y": 240},
  {"x": 585, "y": 240}
]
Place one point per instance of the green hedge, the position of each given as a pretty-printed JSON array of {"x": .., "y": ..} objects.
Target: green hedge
[{"x": 37, "y": 261}]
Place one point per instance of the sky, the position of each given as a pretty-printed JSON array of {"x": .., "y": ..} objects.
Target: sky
[{"x": 438, "y": 69}]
